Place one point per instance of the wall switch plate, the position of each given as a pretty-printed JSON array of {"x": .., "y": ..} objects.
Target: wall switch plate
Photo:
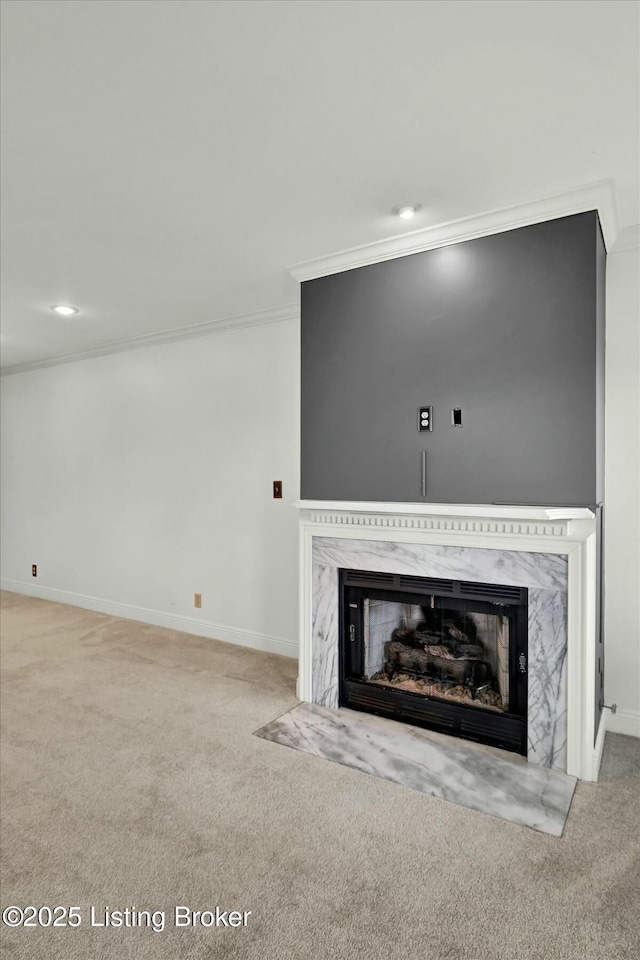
[
  {"x": 277, "y": 489},
  {"x": 34, "y": 570},
  {"x": 197, "y": 599},
  {"x": 425, "y": 418}
]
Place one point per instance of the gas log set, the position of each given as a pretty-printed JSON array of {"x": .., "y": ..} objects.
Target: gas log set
[{"x": 441, "y": 655}]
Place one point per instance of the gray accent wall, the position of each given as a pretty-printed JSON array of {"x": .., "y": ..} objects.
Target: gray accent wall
[{"x": 510, "y": 328}]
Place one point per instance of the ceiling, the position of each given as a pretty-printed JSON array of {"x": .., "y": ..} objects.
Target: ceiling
[{"x": 165, "y": 161}]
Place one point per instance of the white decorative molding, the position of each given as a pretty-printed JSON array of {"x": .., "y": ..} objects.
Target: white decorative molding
[
  {"x": 595, "y": 196},
  {"x": 624, "y": 721},
  {"x": 628, "y": 239},
  {"x": 510, "y": 520},
  {"x": 459, "y": 525},
  {"x": 158, "y": 618},
  {"x": 290, "y": 311},
  {"x": 569, "y": 532}
]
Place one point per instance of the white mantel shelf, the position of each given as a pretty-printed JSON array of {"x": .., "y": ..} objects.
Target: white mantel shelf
[{"x": 480, "y": 510}]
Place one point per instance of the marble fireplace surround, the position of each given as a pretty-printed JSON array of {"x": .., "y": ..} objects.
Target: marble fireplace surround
[{"x": 551, "y": 551}]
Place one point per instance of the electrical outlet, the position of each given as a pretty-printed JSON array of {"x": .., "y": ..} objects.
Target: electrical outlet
[
  {"x": 425, "y": 418},
  {"x": 197, "y": 599},
  {"x": 173, "y": 597},
  {"x": 34, "y": 570},
  {"x": 277, "y": 489}
]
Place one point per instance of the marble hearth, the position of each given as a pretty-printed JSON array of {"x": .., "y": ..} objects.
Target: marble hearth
[{"x": 552, "y": 552}]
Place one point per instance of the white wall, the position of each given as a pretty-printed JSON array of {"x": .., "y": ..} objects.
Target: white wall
[
  {"x": 622, "y": 492},
  {"x": 131, "y": 475},
  {"x": 128, "y": 476}
]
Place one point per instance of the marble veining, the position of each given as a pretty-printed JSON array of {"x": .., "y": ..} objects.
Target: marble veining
[
  {"x": 547, "y": 679},
  {"x": 545, "y": 576},
  {"x": 547, "y": 571},
  {"x": 325, "y": 632},
  {"x": 488, "y": 780}
]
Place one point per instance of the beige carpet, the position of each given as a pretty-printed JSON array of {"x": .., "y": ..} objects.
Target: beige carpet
[{"x": 130, "y": 778}]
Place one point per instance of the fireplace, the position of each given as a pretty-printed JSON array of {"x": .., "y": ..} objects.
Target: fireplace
[
  {"x": 549, "y": 553},
  {"x": 449, "y": 655}
]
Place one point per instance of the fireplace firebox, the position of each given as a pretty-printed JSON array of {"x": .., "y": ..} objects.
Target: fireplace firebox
[{"x": 444, "y": 654}]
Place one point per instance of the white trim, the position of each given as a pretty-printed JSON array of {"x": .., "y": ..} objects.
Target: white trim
[
  {"x": 624, "y": 721},
  {"x": 305, "y": 641},
  {"x": 527, "y": 543},
  {"x": 628, "y": 238},
  {"x": 290, "y": 311},
  {"x": 158, "y": 618},
  {"x": 581, "y": 645},
  {"x": 596, "y": 758},
  {"x": 471, "y": 518},
  {"x": 503, "y": 511},
  {"x": 595, "y": 196}
]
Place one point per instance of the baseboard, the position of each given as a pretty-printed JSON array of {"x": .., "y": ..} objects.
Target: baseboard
[
  {"x": 624, "y": 721},
  {"x": 158, "y": 618}
]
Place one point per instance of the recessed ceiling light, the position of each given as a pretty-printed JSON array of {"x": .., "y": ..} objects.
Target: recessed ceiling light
[
  {"x": 406, "y": 210},
  {"x": 64, "y": 310}
]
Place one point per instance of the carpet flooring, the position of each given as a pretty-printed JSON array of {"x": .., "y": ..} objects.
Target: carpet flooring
[{"x": 131, "y": 781}]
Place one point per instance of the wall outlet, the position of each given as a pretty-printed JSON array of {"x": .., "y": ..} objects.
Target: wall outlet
[
  {"x": 34, "y": 569},
  {"x": 197, "y": 599},
  {"x": 173, "y": 597},
  {"x": 277, "y": 489},
  {"x": 425, "y": 418}
]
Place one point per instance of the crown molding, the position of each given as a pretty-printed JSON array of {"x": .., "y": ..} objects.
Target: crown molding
[
  {"x": 628, "y": 238},
  {"x": 290, "y": 311},
  {"x": 595, "y": 196}
]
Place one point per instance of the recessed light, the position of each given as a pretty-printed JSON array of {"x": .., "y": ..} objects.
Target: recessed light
[
  {"x": 64, "y": 310},
  {"x": 406, "y": 210}
]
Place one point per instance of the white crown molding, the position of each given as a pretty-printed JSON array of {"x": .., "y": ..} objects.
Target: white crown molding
[
  {"x": 628, "y": 238},
  {"x": 290, "y": 311},
  {"x": 596, "y": 196}
]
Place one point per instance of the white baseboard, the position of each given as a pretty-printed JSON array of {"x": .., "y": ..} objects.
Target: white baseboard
[
  {"x": 158, "y": 618},
  {"x": 624, "y": 721}
]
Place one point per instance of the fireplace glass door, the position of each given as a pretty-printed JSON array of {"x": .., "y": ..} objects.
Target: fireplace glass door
[{"x": 445, "y": 654}]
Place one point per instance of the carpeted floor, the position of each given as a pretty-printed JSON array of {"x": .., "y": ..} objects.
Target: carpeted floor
[{"x": 130, "y": 778}]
